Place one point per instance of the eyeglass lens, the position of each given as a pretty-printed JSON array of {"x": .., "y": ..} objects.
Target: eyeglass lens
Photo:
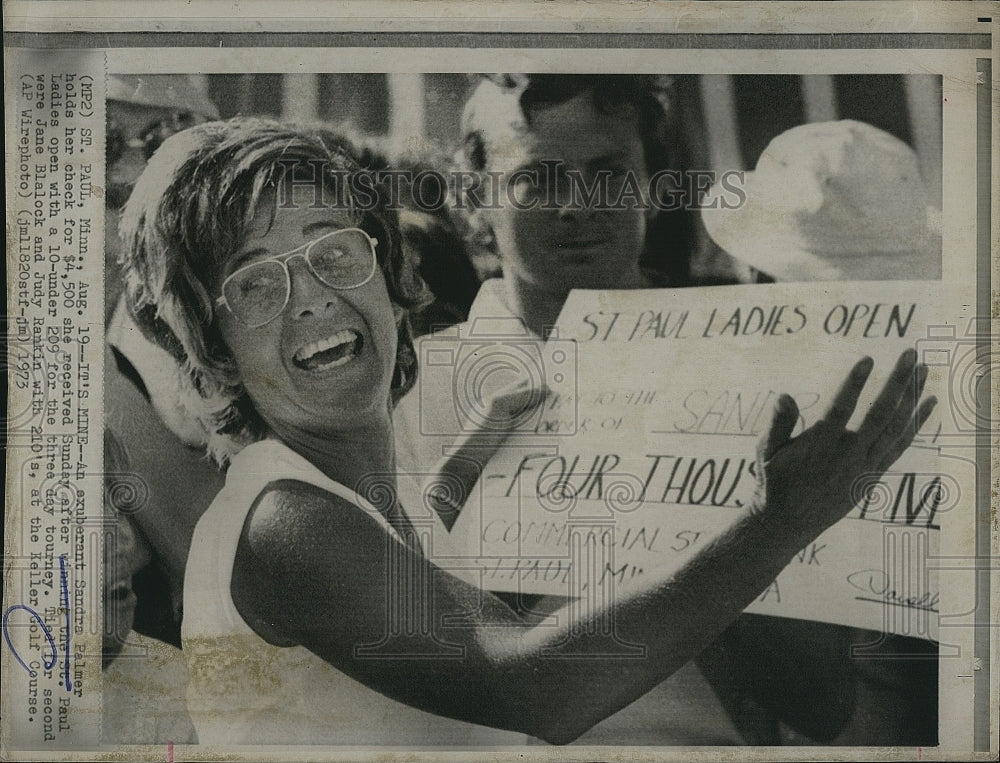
[{"x": 258, "y": 293}]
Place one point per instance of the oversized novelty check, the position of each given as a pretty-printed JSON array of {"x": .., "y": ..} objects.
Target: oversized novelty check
[{"x": 645, "y": 449}]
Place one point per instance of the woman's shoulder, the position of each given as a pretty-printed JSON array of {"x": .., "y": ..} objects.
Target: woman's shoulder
[
  {"x": 272, "y": 469},
  {"x": 299, "y": 525},
  {"x": 307, "y": 553},
  {"x": 258, "y": 476},
  {"x": 293, "y": 511}
]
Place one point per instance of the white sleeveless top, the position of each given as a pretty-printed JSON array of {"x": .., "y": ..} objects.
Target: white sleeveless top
[{"x": 245, "y": 691}]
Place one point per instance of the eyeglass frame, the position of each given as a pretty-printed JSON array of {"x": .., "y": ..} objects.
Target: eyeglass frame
[{"x": 282, "y": 259}]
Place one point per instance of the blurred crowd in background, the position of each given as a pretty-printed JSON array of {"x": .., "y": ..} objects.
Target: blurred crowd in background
[
  {"x": 720, "y": 123},
  {"x": 409, "y": 121}
]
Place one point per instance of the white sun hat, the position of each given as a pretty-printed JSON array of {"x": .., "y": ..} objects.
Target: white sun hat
[{"x": 831, "y": 201}]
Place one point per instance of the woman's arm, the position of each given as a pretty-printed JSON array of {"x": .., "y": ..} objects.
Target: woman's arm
[{"x": 314, "y": 570}]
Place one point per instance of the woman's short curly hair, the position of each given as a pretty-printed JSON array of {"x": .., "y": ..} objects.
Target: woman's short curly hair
[
  {"x": 499, "y": 99},
  {"x": 193, "y": 207}
]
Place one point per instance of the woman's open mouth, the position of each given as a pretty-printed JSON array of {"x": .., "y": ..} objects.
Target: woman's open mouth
[{"x": 335, "y": 350}]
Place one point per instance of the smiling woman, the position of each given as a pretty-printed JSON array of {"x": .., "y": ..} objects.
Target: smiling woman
[
  {"x": 312, "y": 614},
  {"x": 311, "y": 330},
  {"x": 231, "y": 195}
]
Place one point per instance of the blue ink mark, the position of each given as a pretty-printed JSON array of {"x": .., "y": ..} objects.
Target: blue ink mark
[
  {"x": 69, "y": 623},
  {"x": 45, "y": 630},
  {"x": 49, "y": 664}
]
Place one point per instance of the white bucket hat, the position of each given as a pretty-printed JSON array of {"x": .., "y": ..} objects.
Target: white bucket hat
[{"x": 832, "y": 201}]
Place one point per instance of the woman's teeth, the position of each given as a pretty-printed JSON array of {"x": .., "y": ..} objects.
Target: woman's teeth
[{"x": 335, "y": 350}]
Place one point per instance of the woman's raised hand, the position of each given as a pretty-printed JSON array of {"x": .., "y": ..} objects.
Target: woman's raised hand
[
  {"x": 509, "y": 407},
  {"x": 807, "y": 483},
  {"x": 453, "y": 479}
]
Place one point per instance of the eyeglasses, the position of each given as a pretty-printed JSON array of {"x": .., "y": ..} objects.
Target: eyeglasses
[{"x": 258, "y": 293}]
